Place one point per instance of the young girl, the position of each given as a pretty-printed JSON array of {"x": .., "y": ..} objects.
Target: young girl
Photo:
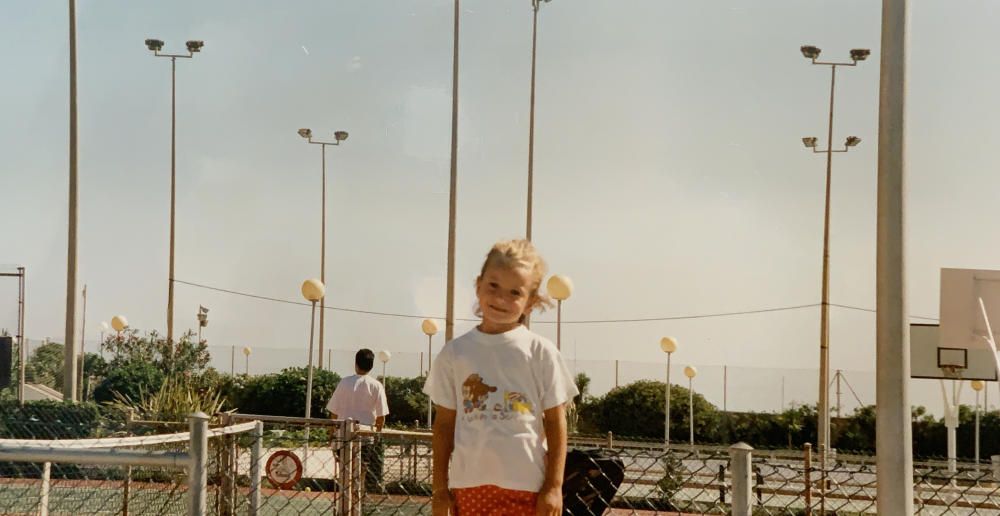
[{"x": 500, "y": 392}]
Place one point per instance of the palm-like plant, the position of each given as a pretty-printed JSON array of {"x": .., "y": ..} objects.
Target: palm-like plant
[{"x": 174, "y": 401}]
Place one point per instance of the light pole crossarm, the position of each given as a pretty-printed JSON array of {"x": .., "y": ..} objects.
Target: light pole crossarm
[
  {"x": 828, "y": 63},
  {"x": 817, "y": 151},
  {"x": 189, "y": 55},
  {"x": 322, "y": 142}
]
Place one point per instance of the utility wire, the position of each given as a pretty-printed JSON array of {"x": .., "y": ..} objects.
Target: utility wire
[
  {"x": 585, "y": 321},
  {"x": 872, "y": 310}
]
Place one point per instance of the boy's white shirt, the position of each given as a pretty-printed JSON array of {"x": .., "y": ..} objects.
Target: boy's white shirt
[
  {"x": 499, "y": 385},
  {"x": 359, "y": 397}
]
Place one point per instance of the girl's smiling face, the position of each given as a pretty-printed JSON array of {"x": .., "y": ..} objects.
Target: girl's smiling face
[{"x": 505, "y": 294}]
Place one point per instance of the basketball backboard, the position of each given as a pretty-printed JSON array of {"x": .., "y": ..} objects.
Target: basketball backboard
[
  {"x": 931, "y": 358},
  {"x": 963, "y": 324}
]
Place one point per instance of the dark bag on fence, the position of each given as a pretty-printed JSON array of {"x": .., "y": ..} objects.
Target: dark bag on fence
[{"x": 591, "y": 481}]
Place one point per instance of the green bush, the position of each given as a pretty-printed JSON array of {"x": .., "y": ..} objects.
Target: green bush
[
  {"x": 184, "y": 357},
  {"x": 174, "y": 401},
  {"x": 45, "y": 365},
  {"x": 407, "y": 401},
  {"x": 129, "y": 379},
  {"x": 787, "y": 430},
  {"x": 280, "y": 394},
  {"x": 637, "y": 410}
]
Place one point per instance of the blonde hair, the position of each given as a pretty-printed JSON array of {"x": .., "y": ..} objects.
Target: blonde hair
[{"x": 519, "y": 254}]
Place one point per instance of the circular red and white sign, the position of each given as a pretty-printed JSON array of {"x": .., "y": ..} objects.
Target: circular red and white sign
[{"x": 284, "y": 469}]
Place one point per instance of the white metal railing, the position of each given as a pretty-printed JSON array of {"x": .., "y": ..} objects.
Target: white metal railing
[{"x": 108, "y": 452}]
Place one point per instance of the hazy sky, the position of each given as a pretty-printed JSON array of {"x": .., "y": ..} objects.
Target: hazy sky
[{"x": 670, "y": 175}]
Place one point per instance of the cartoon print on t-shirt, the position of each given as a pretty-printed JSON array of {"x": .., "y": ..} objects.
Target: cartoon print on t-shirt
[
  {"x": 515, "y": 402},
  {"x": 475, "y": 392}
]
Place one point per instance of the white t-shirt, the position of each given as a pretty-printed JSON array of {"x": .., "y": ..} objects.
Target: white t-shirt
[
  {"x": 500, "y": 385},
  {"x": 359, "y": 397}
]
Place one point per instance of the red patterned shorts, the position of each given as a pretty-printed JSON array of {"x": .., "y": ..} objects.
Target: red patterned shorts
[{"x": 493, "y": 501}]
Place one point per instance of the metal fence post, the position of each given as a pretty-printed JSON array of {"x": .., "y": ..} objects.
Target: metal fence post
[
  {"x": 357, "y": 471},
  {"x": 996, "y": 466},
  {"x": 823, "y": 458},
  {"x": 127, "y": 490},
  {"x": 226, "y": 469},
  {"x": 256, "y": 467},
  {"x": 43, "y": 503},
  {"x": 740, "y": 462},
  {"x": 197, "y": 479},
  {"x": 345, "y": 466},
  {"x": 808, "y": 481}
]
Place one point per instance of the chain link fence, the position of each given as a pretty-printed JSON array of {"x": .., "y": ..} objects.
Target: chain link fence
[
  {"x": 151, "y": 474},
  {"x": 786, "y": 483},
  {"x": 278, "y": 465},
  {"x": 391, "y": 472}
]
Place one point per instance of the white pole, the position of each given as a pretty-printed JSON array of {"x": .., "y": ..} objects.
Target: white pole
[
  {"x": 430, "y": 404},
  {"x": 691, "y": 408},
  {"x": 666, "y": 421},
  {"x": 952, "y": 455},
  {"x": 894, "y": 434},
  {"x": 197, "y": 474},
  {"x": 977, "y": 430},
  {"x": 255, "y": 468},
  {"x": 742, "y": 470},
  {"x": 559, "y": 301},
  {"x": 950, "y": 423},
  {"x": 309, "y": 384},
  {"x": 43, "y": 503}
]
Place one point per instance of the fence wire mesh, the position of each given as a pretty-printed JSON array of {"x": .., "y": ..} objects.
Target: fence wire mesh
[
  {"x": 67, "y": 488},
  {"x": 328, "y": 467},
  {"x": 65, "y": 483}
]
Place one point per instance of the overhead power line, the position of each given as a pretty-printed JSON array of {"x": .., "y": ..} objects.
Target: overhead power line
[{"x": 583, "y": 321}]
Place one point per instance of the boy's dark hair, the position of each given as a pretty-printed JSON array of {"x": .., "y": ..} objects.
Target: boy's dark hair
[{"x": 364, "y": 360}]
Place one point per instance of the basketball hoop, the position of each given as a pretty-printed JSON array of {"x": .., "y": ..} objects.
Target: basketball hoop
[{"x": 953, "y": 372}]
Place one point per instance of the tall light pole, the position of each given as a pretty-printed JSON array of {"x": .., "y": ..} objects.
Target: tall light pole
[
  {"x": 668, "y": 345},
  {"x": 560, "y": 288},
  {"x": 338, "y": 137},
  {"x": 691, "y": 372},
  {"x": 193, "y": 46},
  {"x": 69, "y": 356},
  {"x": 313, "y": 290},
  {"x": 429, "y": 327},
  {"x": 449, "y": 320},
  {"x": 246, "y": 353},
  {"x": 823, "y": 411},
  {"x": 535, "y": 5}
]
